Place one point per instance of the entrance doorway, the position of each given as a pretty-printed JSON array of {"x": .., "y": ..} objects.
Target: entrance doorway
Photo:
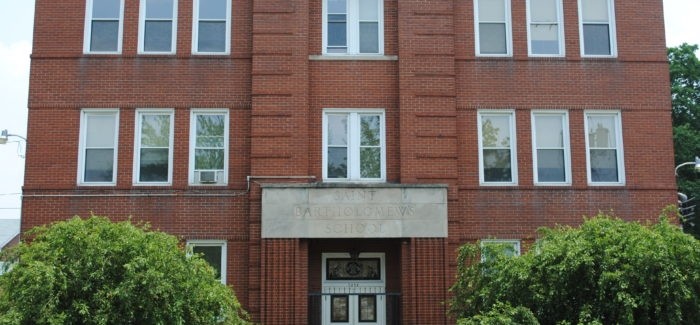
[{"x": 353, "y": 289}]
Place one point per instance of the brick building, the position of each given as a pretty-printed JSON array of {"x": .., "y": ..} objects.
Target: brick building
[{"x": 329, "y": 156}]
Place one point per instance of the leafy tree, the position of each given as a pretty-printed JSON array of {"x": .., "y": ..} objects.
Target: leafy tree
[
  {"x": 502, "y": 314},
  {"x": 685, "y": 95},
  {"x": 93, "y": 271},
  {"x": 607, "y": 271}
]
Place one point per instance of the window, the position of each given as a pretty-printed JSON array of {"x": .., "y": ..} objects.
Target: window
[
  {"x": 597, "y": 27},
  {"x": 604, "y": 148},
  {"x": 157, "y": 26},
  {"x": 99, "y": 131},
  {"x": 212, "y": 251},
  {"x": 492, "y": 25},
  {"x": 353, "y": 145},
  {"x": 497, "y": 157},
  {"x": 492, "y": 247},
  {"x": 154, "y": 142},
  {"x": 212, "y": 27},
  {"x": 103, "y": 26},
  {"x": 550, "y": 147},
  {"x": 545, "y": 28},
  {"x": 353, "y": 27},
  {"x": 209, "y": 147}
]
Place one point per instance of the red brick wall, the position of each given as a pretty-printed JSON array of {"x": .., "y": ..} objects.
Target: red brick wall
[{"x": 276, "y": 95}]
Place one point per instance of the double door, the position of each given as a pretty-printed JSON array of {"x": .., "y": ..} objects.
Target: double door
[{"x": 354, "y": 289}]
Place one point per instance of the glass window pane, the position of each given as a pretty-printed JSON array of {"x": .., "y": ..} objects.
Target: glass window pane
[
  {"x": 369, "y": 131},
  {"x": 337, "y": 7},
  {"x": 212, "y": 9},
  {"x": 544, "y": 11},
  {"x": 211, "y": 36},
  {"x": 369, "y": 37},
  {"x": 550, "y": 165},
  {"x": 492, "y": 10},
  {"x": 545, "y": 38},
  {"x": 158, "y": 36},
  {"x": 99, "y": 165},
  {"x": 341, "y": 49},
  {"x": 100, "y": 131},
  {"x": 153, "y": 165},
  {"x": 369, "y": 10},
  {"x": 596, "y": 39},
  {"x": 368, "y": 308},
  {"x": 339, "y": 309},
  {"x": 210, "y": 142},
  {"x": 208, "y": 159},
  {"x": 337, "y": 129},
  {"x": 104, "y": 36},
  {"x": 604, "y": 165},
  {"x": 161, "y": 9},
  {"x": 210, "y": 125},
  {"x": 497, "y": 165},
  {"x": 601, "y": 131},
  {"x": 549, "y": 131},
  {"x": 595, "y": 10},
  {"x": 337, "y": 34},
  {"x": 155, "y": 130},
  {"x": 106, "y": 9},
  {"x": 490, "y": 250},
  {"x": 337, "y": 163},
  {"x": 211, "y": 254},
  {"x": 495, "y": 131},
  {"x": 492, "y": 39},
  {"x": 370, "y": 163}
]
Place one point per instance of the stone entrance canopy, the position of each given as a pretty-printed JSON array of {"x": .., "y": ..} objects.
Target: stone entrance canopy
[{"x": 353, "y": 210}]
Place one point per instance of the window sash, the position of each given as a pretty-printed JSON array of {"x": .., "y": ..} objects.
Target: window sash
[
  {"x": 215, "y": 151},
  {"x": 497, "y": 163},
  {"x": 144, "y": 150},
  {"x": 537, "y": 46},
  {"x": 510, "y": 244},
  {"x": 553, "y": 175},
  {"x": 92, "y": 41},
  {"x": 146, "y": 34},
  {"x": 605, "y": 163},
  {"x": 594, "y": 41},
  {"x": 203, "y": 41},
  {"x": 98, "y": 162},
  {"x": 194, "y": 244},
  {"x": 363, "y": 162},
  {"x": 493, "y": 34},
  {"x": 363, "y": 35}
]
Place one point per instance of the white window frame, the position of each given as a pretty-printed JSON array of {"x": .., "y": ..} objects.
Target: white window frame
[
  {"x": 509, "y": 32},
  {"x": 88, "y": 29},
  {"x": 83, "y": 141},
  {"x": 612, "y": 30},
  {"x": 354, "y": 145},
  {"x": 195, "y": 30},
  {"x": 137, "y": 144},
  {"x": 513, "y": 147},
  {"x": 353, "y": 29},
  {"x": 193, "y": 135},
  {"x": 619, "y": 147},
  {"x": 560, "y": 31},
  {"x": 567, "y": 146},
  {"x": 211, "y": 243},
  {"x": 142, "y": 30},
  {"x": 514, "y": 242}
]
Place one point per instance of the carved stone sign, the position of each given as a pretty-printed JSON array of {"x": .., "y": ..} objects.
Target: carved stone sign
[{"x": 355, "y": 211}]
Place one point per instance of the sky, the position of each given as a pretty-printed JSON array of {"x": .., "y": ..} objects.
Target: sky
[{"x": 16, "y": 17}]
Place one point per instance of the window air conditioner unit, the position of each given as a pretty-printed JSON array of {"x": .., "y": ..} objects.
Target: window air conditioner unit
[{"x": 208, "y": 177}]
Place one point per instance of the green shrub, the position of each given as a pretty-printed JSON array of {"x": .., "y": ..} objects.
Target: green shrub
[
  {"x": 94, "y": 271},
  {"x": 606, "y": 271}
]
